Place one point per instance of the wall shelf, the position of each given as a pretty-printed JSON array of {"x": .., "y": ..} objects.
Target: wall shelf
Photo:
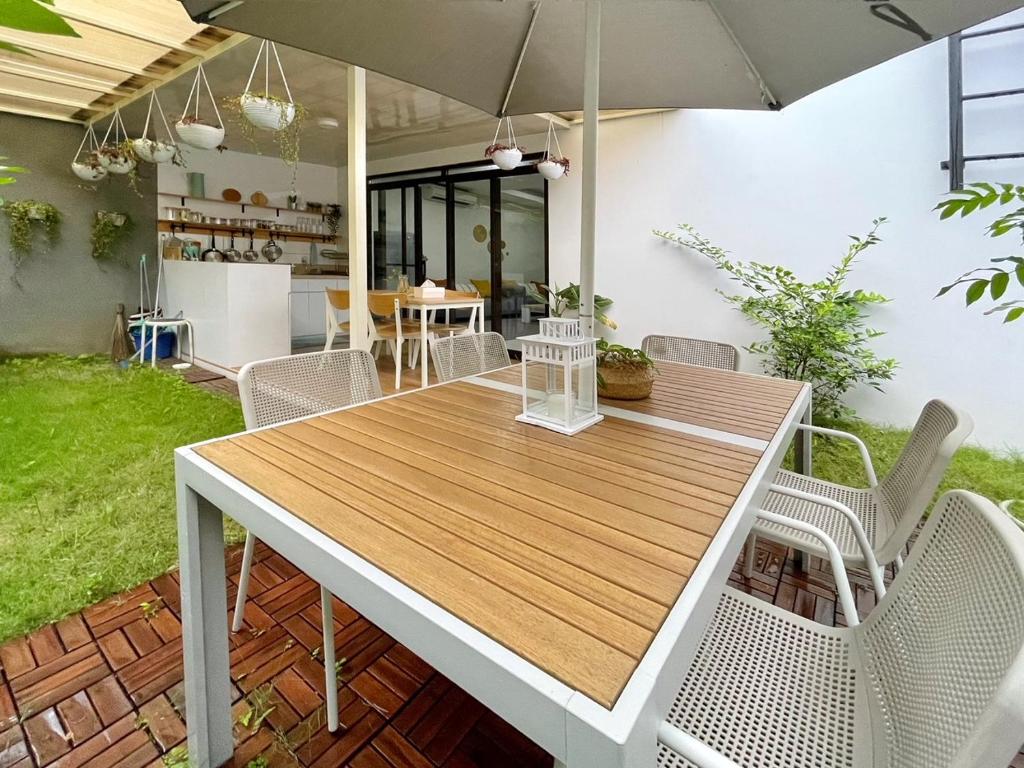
[
  {"x": 194, "y": 228},
  {"x": 185, "y": 199}
]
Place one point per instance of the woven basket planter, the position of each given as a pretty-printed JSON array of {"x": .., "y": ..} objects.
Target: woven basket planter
[{"x": 626, "y": 382}]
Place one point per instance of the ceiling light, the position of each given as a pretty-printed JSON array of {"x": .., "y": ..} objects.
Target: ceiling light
[{"x": 327, "y": 123}]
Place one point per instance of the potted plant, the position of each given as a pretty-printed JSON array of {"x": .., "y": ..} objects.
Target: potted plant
[
  {"x": 267, "y": 112},
  {"x": 562, "y": 300},
  {"x": 191, "y": 128},
  {"x": 156, "y": 150},
  {"x": 553, "y": 167},
  {"x": 89, "y": 167},
  {"x": 116, "y": 159},
  {"x": 623, "y": 373},
  {"x": 506, "y": 155},
  {"x": 23, "y": 216},
  {"x": 107, "y": 229}
]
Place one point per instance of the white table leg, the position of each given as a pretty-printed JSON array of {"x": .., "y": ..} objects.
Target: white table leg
[
  {"x": 480, "y": 318},
  {"x": 205, "y": 630},
  {"x": 156, "y": 335},
  {"x": 423, "y": 356}
]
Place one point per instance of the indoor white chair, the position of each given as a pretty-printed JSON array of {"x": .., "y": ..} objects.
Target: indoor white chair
[
  {"x": 292, "y": 387},
  {"x": 933, "y": 677},
  {"x": 679, "y": 349},
  {"x": 388, "y": 327},
  {"x": 337, "y": 301},
  {"x": 448, "y": 328},
  {"x": 468, "y": 355},
  {"x": 871, "y": 526}
]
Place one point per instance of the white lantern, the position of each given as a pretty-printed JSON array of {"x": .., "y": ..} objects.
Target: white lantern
[{"x": 559, "y": 377}]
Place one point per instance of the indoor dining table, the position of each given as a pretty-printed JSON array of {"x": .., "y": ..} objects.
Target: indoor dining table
[
  {"x": 425, "y": 306},
  {"x": 564, "y": 582}
]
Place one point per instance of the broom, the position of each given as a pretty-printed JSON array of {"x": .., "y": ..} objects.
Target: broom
[{"x": 121, "y": 345}]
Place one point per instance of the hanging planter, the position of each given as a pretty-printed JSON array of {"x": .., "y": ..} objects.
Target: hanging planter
[
  {"x": 86, "y": 164},
  {"x": 116, "y": 153},
  {"x": 192, "y": 129},
  {"x": 505, "y": 156},
  {"x": 156, "y": 150},
  {"x": 262, "y": 109},
  {"x": 553, "y": 167}
]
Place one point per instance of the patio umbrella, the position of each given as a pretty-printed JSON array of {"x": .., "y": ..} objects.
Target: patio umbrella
[{"x": 510, "y": 57}]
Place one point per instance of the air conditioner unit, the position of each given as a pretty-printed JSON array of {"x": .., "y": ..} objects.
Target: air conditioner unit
[{"x": 461, "y": 197}]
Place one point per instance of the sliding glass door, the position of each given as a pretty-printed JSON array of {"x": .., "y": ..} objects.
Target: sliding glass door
[{"x": 469, "y": 227}]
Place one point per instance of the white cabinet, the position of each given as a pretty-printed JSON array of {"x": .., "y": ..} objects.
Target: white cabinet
[{"x": 309, "y": 305}]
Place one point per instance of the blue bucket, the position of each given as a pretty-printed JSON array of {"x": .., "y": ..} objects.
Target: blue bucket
[{"x": 164, "y": 343}]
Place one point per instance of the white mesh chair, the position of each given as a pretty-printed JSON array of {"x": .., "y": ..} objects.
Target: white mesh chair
[
  {"x": 871, "y": 526},
  {"x": 933, "y": 677},
  {"x": 678, "y": 349},
  {"x": 457, "y": 356},
  {"x": 285, "y": 388}
]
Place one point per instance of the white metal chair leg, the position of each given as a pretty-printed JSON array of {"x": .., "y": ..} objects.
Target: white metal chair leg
[
  {"x": 330, "y": 670},
  {"x": 397, "y": 353},
  {"x": 330, "y": 339},
  {"x": 749, "y": 556},
  {"x": 191, "y": 343},
  {"x": 243, "y": 582}
]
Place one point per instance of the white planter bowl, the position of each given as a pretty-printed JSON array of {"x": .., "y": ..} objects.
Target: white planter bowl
[
  {"x": 550, "y": 170},
  {"x": 507, "y": 159},
  {"x": 87, "y": 173},
  {"x": 199, "y": 135},
  {"x": 121, "y": 164},
  {"x": 267, "y": 114},
  {"x": 153, "y": 151}
]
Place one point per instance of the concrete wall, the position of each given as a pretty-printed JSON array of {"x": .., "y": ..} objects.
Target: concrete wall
[
  {"x": 63, "y": 300},
  {"x": 788, "y": 188}
]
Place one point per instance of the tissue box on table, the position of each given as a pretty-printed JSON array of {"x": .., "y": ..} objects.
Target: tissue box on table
[{"x": 428, "y": 291}]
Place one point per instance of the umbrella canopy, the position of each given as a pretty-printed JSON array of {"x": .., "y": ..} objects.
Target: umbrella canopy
[
  {"x": 732, "y": 54},
  {"x": 511, "y": 57}
]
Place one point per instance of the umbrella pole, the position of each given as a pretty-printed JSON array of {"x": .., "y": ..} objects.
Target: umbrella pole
[{"x": 588, "y": 215}]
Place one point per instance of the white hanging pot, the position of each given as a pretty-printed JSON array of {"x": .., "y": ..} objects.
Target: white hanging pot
[
  {"x": 190, "y": 128},
  {"x": 550, "y": 170},
  {"x": 88, "y": 172},
  {"x": 154, "y": 150},
  {"x": 117, "y": 162},
  {"x": 507, "y": 159},
  {"x": 268, "y": 114},
  {"x": 199, "y": 135}
]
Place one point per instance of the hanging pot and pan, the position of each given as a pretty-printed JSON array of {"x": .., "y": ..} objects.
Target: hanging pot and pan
[
  {"x": 232, "y": 254},
  {"x": 250, "y": 254},
  {"x": 271, "y": 251},
  {"x": 213, "y": 253}
]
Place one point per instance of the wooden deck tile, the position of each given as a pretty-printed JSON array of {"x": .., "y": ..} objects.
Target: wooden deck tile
[{"x": 396, "y": 711}]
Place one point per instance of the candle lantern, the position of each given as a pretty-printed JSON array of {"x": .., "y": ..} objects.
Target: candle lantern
[{"x": 559, "y": 377}]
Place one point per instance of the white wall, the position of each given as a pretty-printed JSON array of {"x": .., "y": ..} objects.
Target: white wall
[{"x": 249, "y": 173}]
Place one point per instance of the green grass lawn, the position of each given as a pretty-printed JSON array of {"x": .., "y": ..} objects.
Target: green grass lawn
[{"x": 87, "y": 479}]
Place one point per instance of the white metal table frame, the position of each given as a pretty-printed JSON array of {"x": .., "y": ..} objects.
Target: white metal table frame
[
  {"x": 424, "y": 306},
  {"x": 577, "y": 731}
]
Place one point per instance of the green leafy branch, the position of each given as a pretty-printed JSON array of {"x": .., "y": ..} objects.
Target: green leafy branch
[
  {"x": 31, "y": 16},
  {"x": 994, "y": 281},
  {"x": 562, "y": 300}
]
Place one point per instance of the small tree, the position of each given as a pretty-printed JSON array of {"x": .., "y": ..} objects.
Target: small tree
[
  {"x": 991, "y": 280},
  {"x": 817, "y": 331}
]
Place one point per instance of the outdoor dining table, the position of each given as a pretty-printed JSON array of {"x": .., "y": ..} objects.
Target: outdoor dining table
[{"x": 564, "y": 582}]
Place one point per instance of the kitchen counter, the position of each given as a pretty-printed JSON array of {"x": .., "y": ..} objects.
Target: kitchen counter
[{"x": 240, "y": 312}]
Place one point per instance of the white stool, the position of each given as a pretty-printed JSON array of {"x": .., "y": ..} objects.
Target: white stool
[{"x": 156, "y": 324}]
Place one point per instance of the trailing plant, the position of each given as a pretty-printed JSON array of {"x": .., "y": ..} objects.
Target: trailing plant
[
  {"x": 23, "y": 217},
  {"x": 817, "y": 331},
  {"x": 618, "y": 356},
  {"x": 994, "y": 280},
  {"x": 106, "y": 233},
  {"x": 562, "y": 300},
  {"x": 286, "y": 136},
  {"x": 5, "y": 174},
  {"x": 499, "y": 147}
]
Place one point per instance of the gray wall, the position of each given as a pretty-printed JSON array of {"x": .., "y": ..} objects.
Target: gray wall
[{"x": 63, "y": 300}]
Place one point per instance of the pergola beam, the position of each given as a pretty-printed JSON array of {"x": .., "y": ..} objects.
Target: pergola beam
[
  {"x": 128, "y": 31},
  {"x": 48, "y": 75},
  {"x": 158, "y": 80},
  {"x": 38, "y": 113},
  {"x": 84, "y": 58},
  {"x": 46, "y": 99}
]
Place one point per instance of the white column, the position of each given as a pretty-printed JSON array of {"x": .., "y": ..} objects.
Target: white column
[
  {"x": 357, "y": 253},
  {"x": 588, "y": 217}
]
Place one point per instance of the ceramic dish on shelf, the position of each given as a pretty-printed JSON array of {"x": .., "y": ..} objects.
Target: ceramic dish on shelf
[
  {"x": 231, "y": 195},
  {"x": 258, "y": 198}
]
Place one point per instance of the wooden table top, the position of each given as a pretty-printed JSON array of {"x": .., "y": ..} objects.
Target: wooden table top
[{"x": 570, "y": 551}]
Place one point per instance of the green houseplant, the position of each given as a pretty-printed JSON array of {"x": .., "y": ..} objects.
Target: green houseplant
[
  {"x": 817, "y": 331},
  {"x": 108, "y": 229},
  {"x": 25, "y": 218},
  {"x": 291, "y": 116},
  {"x": 623, "y": 373},
  {"x": 562, "y": 300}
]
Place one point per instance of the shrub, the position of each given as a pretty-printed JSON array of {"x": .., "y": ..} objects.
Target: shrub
[{"x": 817, "y": 331}]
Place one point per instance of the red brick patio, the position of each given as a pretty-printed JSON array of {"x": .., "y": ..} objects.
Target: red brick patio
[{"x": 104, "y": 687}]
